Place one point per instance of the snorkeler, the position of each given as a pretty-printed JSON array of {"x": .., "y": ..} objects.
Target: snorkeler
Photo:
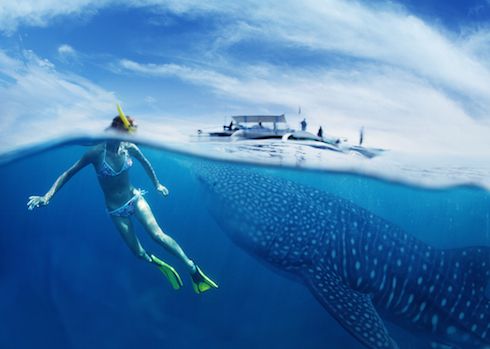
[{"x": 123, "y": 200}]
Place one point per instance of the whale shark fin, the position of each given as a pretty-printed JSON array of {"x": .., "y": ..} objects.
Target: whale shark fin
[
  {"x": 201, "y": 282},
  {"x": 353, "y": 310},
  {"x": 172, "y": 276}
]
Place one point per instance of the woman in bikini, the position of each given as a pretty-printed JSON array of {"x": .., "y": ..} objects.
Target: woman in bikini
[{"x": 123, "y": 200}]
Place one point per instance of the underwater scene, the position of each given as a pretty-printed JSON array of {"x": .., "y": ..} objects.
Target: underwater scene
[
  {"x": 294, "y": 174},
  {"x": 301, "y": 259}
]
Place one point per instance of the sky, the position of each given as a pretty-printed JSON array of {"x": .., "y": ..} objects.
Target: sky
[{"x": 414, "y": 74}]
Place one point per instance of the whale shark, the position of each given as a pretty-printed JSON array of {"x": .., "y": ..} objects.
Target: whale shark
[{"x": 363, "y": 269}]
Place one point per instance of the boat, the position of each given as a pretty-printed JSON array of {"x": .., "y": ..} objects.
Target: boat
[
  {"x": 254, "y": 127},
  {"x": 274, "y": 127}
]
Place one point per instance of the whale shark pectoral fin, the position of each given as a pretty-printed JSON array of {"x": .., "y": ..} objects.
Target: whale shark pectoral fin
[{"x": 352, "y": 309}]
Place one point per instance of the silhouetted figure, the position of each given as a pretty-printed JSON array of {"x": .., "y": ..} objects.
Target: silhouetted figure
[{"x": 303, "y": 125}]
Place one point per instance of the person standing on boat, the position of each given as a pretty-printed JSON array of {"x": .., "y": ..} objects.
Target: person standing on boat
[
  {"x": 320, "y": 132},
  {"x": 112, "y": 161},
  {"x": 303, "y": 125}
]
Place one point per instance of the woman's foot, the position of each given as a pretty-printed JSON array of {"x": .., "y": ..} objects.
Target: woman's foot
[
  {"x": 201, "y": 282},
  {"x": 169, "y": 272}
]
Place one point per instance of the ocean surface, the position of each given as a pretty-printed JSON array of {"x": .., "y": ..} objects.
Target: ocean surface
[{"x": 69, "y": 281}]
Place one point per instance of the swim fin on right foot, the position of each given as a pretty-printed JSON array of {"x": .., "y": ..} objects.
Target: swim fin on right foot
[
  {"x": 201, "y": 282},
  {"x": 169, "y": 272}
]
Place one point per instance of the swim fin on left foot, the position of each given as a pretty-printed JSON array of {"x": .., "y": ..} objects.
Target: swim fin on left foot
[
  {"x": 201, "y": 282},
  {"x": 169, "y": 272}
]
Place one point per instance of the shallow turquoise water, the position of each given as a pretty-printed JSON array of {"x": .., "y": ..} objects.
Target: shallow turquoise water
[{"x": 69, "y": 281}]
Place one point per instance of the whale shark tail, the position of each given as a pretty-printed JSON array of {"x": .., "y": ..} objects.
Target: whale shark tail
[{"x": 201, "y": 282}]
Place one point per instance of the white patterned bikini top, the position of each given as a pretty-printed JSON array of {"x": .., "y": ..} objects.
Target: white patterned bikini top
[{"x": 106, "y": 171}]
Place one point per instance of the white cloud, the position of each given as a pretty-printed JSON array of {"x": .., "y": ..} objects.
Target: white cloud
[
  {"x": 386, "y": 35},
  {"x": 42, "y": 12},
  {"x": 67, "y": 53},
  {"x": 38, "y": 102},
  {"x": 150, "y": 100},
  {"x": 193, "y": 75},
  {"x": 39, "y": 13}
]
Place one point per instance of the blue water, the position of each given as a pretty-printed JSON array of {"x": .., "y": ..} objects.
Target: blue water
[{"x": 69, "y": 281}]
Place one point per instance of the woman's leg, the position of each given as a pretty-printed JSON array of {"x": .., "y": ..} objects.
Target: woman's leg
[
  {"x": 143, "y": 213},
  {"x": 125, "y": 227}
]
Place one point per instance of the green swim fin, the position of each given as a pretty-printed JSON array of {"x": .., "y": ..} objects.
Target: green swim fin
[
  {"x": 201, "y": 282},
  {"x": 169, "y": 272}
]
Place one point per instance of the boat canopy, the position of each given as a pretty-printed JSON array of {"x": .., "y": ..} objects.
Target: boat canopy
[{"x": 260, "y": 118}]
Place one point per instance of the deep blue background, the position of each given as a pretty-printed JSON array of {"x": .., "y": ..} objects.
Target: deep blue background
[{"x": 67, "y": 279}]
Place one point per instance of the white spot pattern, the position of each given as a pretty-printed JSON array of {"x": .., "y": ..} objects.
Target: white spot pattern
[{"x": 368, "y": 262}]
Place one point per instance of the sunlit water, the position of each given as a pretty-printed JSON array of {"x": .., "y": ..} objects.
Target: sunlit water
[{"x": 69, "y": 281}]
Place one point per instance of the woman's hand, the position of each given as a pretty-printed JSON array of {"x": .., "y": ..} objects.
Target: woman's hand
[
  {"x": 162, "y": 190},
  {"x": 37, "y": 201}
]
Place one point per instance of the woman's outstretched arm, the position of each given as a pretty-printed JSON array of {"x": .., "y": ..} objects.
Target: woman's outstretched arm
[
  {"x": 39, "y": 201},
  {"x": 138, "y": 155}
]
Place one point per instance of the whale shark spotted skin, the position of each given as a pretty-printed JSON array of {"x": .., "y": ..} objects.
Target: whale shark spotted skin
[{"x": 359, "y": 266}]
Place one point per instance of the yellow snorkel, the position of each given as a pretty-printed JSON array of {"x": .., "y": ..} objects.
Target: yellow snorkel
[{"x": 124, "y": 119}]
